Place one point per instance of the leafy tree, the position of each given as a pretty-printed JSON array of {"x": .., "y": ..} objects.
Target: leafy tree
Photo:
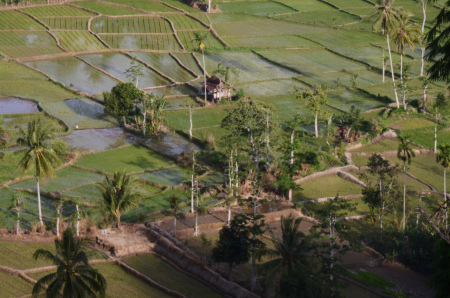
[
  {"x": 289, "y": 252},
  {"x": 200, "y": 39},
  {"x": 315, "y": 98},
  {"x": 19, "y": 203},
  {"x": 349, "y": 124},
  {"x": 407, "y": 33},
  {"x": 440, "y": 280},
  {"x": 74, "y": 277},
  {"x": 339, "y": 237},
  {"x": 119, "y": 194},
  {"x": 121, "y": 98},
  {"x": 246, "y": 128},
  {"x": 134, "y": 72},
  {"x": 233, "y": 246},
  {"x": 371, "y": 196},
  {"x": 404, "y": 153},
  {"x": 439, "y": 105},
  {"x": 387, "y": 22},
  {"x": 39, "y": 140},
  {"x": 174, "y": 203},
  {"x": 437, "y": 48},
  {"x": 443, "y": 156},
  {"x": 155, "y": 106},
  {"x": 424, "y": 11},
  {"x": 384, "y": 177}
]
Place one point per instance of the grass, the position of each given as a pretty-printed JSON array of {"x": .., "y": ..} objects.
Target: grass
[
  {"x": 273, "y": 41},
  {"x": 370, "y": 279},
  {"x": 381, "y": 146},
  {"x": 20, "y": 44},
  {"x": 16, "y": 121},
  {"x": 131, "y": 159},
  {"x": 416, "y": 123},
  {"x": 425, "y": 168},
  {"x": 19, "y": 255},
  {"x": 56, "y": 10},
  {"x": 164, "y": 274},
  {"x": 8, "y": 165},
  {"x": 169, "y": 177},
  {"x": 271, "y": 88},
  {"x": 131, "y": 25},
  {"x": 105, "y": 9},
  {"x": 14, "y": 20},
  {"x": 14, "y": 286},
  {"x": 360, "y": 208},
  {"x": 255, "y": 8},
  {"x": 330, "y": 18},
  {"x": 328, "y": 186},
  {"x": 157, "y": 42},
  {"x": 64, "y": 179}
]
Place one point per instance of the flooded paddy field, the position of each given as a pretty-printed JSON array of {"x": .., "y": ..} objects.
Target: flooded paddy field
[{"x": 13, "y": 105}]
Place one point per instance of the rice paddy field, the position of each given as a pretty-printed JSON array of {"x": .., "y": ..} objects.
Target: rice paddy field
[{"x": 63, "y": 56}]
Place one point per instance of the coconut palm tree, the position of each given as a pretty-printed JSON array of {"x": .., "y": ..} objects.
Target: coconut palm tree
[
  {"x": 119, "y": 194},
  {"x": 443, "y": 156},
  {"x": 422, "y": 44},
  {"x": 386, "y": 22},
  {"x": 39, "y": 140},
  {"x": 201, "y": 38},
  {"x": 404, "y": 153},
  {"x": 174, "y": 202},
  {"x": 289, "y": 251},
  {"x": 74, "y": 277},
  {"x": 407, "y": 33}
]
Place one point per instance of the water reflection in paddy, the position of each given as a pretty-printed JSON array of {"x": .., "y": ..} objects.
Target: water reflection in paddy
[
  {"x": 13, "y": 105},
  {"x": 170, "y": 144}
]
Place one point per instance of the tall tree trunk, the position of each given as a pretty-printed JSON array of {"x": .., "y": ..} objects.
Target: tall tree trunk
[
  {"x": 196, "y": 224},
  {"x": 229, "y": 214},
  {"x": 291, "y": 163},
  {"x": 316, "y": 128},
  {"x": 267, "y": 145},
  {"x": 404, "y": 196},
  {"x": 118, "y": 219},
  {"x": 192, "y": 184},
  {"x": 424, "y": 96},
  {"x": 144, "y": 122},
  {"x": 237, "y": 173},
  {"x": 253, "y": 284},
  {"x": 190, "y": 123},
  {"x": 124, "y": 121},
  {"x": 209, "y": 5},
  {"x": 204, "y": 73},
  {"x": 78, "y": 221},
  {"x": 435, "y": 135},
  {"x": 175, "y": 226},
  {"x": 424, "y": 10},
  {"x": 18, "y": 220},
  {"x": 58, "y": 210},
  {"x": 401, "y": 81},
  {"x": 445, "y": 203},
  {"x": 392, "y": 70},
  {"x": 383, "y": 64},
  {"x": 39, "y": 202}
]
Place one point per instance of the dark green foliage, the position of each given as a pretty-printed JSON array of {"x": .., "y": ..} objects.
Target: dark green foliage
[
  {"x": 371, "y": 196},
  {"x": 439, "y": 47},
  {"x": 440, "y": 281},
  {"x": 120, "y": 100},
  {"x": 304, "y": 281},
  {"x": 74, "y": 277},
  {"x": 234, "y": 245}
]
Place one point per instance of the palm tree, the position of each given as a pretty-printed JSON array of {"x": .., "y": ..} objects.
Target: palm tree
[
  {"x": 404, "y": 153},
  {"x": 424, "y": 11},
  {"x": 174, "y": 202},
  {"x": 386, "y": 22},
  {"x": 39, "y": 140},
  {"x": 74, "y": 277},
  {"x": 119, "y": 194},
  {"x": 443, "y": 156},
  {"x": 289, "y": 251},
  {"x": 406, "y": 34},
  {"x": 201, "y": 38}
]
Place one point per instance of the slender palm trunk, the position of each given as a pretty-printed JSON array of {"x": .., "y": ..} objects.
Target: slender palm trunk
[
  {"x": 78, "y": 221},
  {"x": 209, "y": 6},
  {"x": 424, "y": 10},
  {"x": 58, "y": 210},
  {"x": 196, "y": 224},
  {"x": 267, "y": 145},
  {"x": 175, "y": 226},
  {"x": 118, "y": 219},
  {"x": 204, "y": 73},
  {"x": 383, "y": 65},
  {"x": 144, "y": 122},
  {"x": 316, "y": 128},
  {"x": 192, "y": 184},
  {"x": 229, "y": 214},
  {"x": 401, "y": 82},
  {"x": 39, "y": 202},
  {"x": 392, "y": 70},
  {"x": 18, "y": 221},
  {"x": 435, "y": 135},
  {"x": 445, "y": 203},
  {"x": 190, "y": 123},
  {"x": 291, "y": 163},
  {"x": 424, "y": 96},
  {"x": 404, "y": 196}
]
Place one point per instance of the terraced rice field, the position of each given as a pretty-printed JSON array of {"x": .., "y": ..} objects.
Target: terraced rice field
[
  {"x": 20, "y": 44},
  {"x": 56, "y": 11},
  {"x": 142, "y": 42},
  {"x": 119, "y": 66},
  {"x": 183, "y": 22},
  {"x": 66, "y": 23},
  {"x": 138, "y": 24},
  {"x": 105, "y": 9},
  {"x": 14, "y": 20},
  {"x": 74, "y": 72},
  {"x": 79, "y": 41}
]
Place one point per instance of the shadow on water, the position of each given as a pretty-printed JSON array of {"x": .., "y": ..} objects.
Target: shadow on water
[
  {"x": 13, "y": 105},
  {"x": 170, "y": 144}
]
